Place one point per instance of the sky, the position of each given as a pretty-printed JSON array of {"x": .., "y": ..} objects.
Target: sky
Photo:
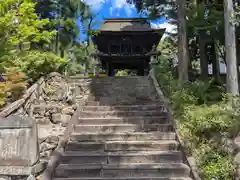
[{"x": 120, "y": 9}]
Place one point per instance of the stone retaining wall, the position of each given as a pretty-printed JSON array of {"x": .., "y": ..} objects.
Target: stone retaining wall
[
  {"x": 50, "y": 101},
  {"x": 51, "y": 89}
]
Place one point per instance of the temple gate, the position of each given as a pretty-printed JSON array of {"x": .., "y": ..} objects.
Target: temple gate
[{"x": 126, "y": 43}]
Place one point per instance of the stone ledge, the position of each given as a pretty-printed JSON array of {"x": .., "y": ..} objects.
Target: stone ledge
[
  {"x": 190, "y": 161},
  {"x": 22, "y": 170},
  {"x": 15, "y": 170}
]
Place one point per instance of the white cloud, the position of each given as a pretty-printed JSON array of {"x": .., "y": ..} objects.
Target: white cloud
[
  {"x": 119, "y": 4},
  {"x": 170, "y": 28},
  {"x": 95, "y": 4},
  {"x": 116, "y": 5}
]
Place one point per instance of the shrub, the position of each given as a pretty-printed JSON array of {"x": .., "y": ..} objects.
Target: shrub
[
  {"x": 36, "y": 64},
  {"x": 3, "y": 92},
  {"x": 122, "y": 73},
  {"x": 12, "y": 89},
  {"x": 216, "y": 165},
  {"x": 202, "y": 111}
]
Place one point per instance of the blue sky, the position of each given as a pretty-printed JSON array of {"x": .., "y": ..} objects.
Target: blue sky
[{"x": 115, "y": 9}]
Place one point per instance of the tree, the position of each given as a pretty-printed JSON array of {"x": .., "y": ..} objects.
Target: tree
[
  {"x": 20, "y": 27},
  {"x": 230, "y": 46},
  {"x": 63, "y": 15},
  {"x": 183, "y": 56}
]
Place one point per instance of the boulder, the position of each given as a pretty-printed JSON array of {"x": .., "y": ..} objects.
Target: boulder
[{"x": 60, "y": 118}]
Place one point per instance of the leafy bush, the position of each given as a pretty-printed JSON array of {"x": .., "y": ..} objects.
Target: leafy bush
[
  {"x": 3, "y": 92},
  {"x": 203, "y": 111},
  {"x": 216, "y": 165},
  {"x": 37, "y": 64},
  {"x": 122, "y": 73},
  {"x": 12, "y": 88}
]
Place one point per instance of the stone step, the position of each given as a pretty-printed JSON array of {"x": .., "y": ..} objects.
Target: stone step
[
  {"x": 119, "y": 103},
  {"x": 110, "y": 146},
  {"x": 123, "y": 128},
  {"x": 115, "y": 79},
  {"x": 134, "y": 136},
  {"x": 125, "y": 120},
  {"x": 127, "y": 178},
  {"x": 123, "y": 170},
  {"x": 108, "y": 83},
  {"x": 121, "y": 113},
  {"x": 104, "y": 80},
  {"x": 155, "y": 106},
  {"x": 74, "y": 157}
]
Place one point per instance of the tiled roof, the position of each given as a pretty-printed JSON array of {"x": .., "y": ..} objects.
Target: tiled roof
[{"x": 126, "y": 24}]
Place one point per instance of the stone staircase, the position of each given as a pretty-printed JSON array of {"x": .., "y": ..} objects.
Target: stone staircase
[{"x": 123, "y": 133}]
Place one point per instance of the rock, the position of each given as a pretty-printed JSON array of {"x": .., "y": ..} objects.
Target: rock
[
  {"x": 39, "y": 167},
  {"x": 74, "y": 107},
  {"x": 47, "y": 146},
  {"x": 53, "y": 110},
  {"x": 40, "y": 109},
  {"x": 5, "y": 178},
  {"x": 237, "y": 143},
  {"x": 68, "y": 110},
  {"x": 47, "y": 114},
  {"x": 65, "y": 118},
  {"x": 60, "y": 94},
  {"x": 42, "y": 120},
  {"x": 45, "y": 155},
  {"x": 60, "y": 118},
  {"x": 52, "y": 139},
  {"x": 56, "y": 118},
  {"x": 44, "y": 131},
  {"x": 237, "y": 158},
  {"x": 31, "y": 177}
]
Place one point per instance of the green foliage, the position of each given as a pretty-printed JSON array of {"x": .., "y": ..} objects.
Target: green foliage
[
  {"x": 122, "y": 73},
  {"x": 168, "y": 47},
  {"x": 80, "y": 59},
  {"x": 237, "y": 16},
  {"x": 13, "y": 88},
  {"x": 32, "y": 35},
  {"x": 21, "y": 31},
  {"x": 214, "y": 165},
  {"x": 209, "y": 20},
  {"x": 203, "y": 112},
  {"x": 37, "y": 64},
  {"x": 22, "y": 26}
]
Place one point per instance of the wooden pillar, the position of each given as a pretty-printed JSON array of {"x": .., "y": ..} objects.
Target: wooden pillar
[
  {"x": 110, "y": 69},
  {"x": 140, "y": 71}
]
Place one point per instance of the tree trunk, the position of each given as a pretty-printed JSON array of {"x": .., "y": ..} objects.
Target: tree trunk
[
  {"x": 203, "y": 56},
  {"x": 183, "y": 56},
  {"x": 238, "y": 51},
  {"x": 215, "y": 62},
  {"x": 230, "y": 46}
]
